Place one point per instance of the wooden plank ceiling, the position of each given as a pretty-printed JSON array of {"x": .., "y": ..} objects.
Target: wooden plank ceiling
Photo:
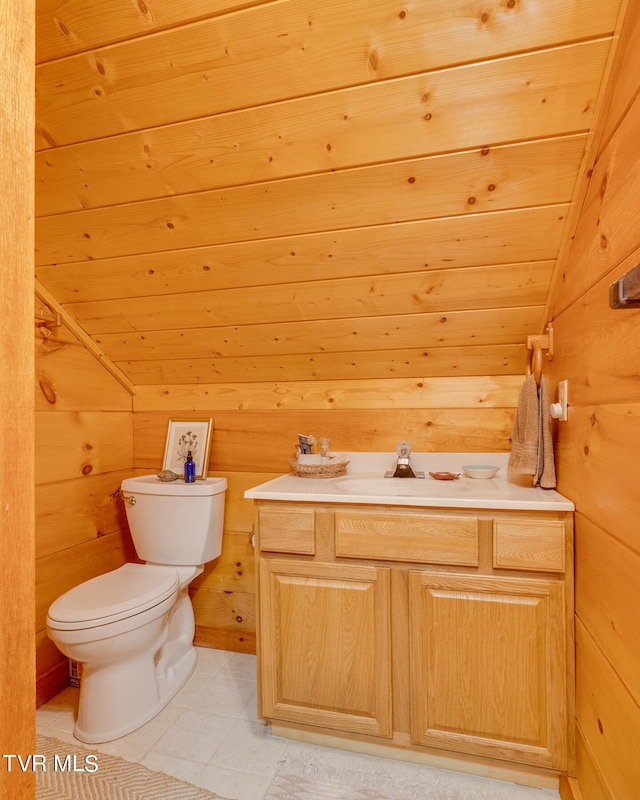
[{"x": 311, "y": 189}]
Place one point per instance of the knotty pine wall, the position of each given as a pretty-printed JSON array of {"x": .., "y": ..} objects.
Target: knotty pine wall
[
  {"x": 245, "y": 190},
  {"x": 17, "y": 679},
  {"x": 598, "y": 351},
  {"x": 84, "y": 447},
  {"x": 255, "y": 426}
]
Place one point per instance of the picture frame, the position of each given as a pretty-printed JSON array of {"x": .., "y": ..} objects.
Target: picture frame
[{"x": 184, "y": 435}]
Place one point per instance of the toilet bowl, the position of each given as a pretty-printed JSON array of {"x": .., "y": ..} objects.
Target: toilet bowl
[{"x": 132, "y": 628}]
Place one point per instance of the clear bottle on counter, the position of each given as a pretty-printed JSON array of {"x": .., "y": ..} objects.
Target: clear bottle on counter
[{"x": 324, "y": 447}]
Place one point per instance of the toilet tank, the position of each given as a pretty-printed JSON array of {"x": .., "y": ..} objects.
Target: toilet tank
[{"x": 175, "y": 523}]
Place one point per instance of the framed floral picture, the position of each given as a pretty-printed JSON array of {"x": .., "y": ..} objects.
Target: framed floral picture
[{"x": 184, "y": 437}]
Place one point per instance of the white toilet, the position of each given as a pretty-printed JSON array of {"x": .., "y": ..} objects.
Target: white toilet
[{"x": 132, "y": 629}]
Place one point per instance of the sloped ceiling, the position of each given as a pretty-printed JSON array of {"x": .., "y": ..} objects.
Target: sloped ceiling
[{"x": 311, "y": 189}]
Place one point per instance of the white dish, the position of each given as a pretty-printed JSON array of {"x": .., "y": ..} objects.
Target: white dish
[
  {"x": 309, "y": 458},
  {"x": 480, "y": 470}
]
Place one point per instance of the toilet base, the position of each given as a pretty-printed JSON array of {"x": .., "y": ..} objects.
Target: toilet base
[
  {"x": 119, "y": 696},
  {"x": 132, "y": 704}
]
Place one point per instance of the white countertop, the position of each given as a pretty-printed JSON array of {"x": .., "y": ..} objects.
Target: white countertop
[{"x": 365, "y": 483}]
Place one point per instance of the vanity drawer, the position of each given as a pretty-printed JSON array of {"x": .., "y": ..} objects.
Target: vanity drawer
[
  {"x": 420, "y": 538},
  {"x": 288, "y": 530},
  {"x": 529, "y": 545}
]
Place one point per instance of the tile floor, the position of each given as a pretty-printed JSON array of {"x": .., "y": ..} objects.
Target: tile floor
[{"x": 210, "y": 734}]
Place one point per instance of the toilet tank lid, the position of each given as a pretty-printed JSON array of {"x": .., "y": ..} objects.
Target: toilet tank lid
[
  {"x": 123, "y": 592},
  {"x": 151, "y": 484}
]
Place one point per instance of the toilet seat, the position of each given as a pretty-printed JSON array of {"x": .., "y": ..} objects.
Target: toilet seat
[{"x": 116, "y": 595}]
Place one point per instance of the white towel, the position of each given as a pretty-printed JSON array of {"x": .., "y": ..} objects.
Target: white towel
[{"x": 531, "y": 441}]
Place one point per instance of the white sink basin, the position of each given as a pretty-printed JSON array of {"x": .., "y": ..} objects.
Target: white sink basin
[{"x": 398, "y": 487}]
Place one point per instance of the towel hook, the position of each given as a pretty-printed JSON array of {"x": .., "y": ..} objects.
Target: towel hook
[
  {"x": 537, "y": 344},
  {"x": 47, "y": 319}
]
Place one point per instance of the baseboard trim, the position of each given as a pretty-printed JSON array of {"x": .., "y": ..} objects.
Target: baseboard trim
[
  {"x": 225, "y": 639},
  {"x": 52, "y": 682},
  {"x": 569, "y": 789}
]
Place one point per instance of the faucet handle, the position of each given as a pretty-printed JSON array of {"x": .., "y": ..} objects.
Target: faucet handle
[{"x": 403, "y": 449}]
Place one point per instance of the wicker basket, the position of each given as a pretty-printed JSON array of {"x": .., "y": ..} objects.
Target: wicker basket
[{"x": 331, "y": 469}]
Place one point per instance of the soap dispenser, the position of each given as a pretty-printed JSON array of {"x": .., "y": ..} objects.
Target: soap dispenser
[{"x": 189, "y": 469}]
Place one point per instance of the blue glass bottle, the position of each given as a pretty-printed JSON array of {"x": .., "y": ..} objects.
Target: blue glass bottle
[{"x": 189, "y": 469}]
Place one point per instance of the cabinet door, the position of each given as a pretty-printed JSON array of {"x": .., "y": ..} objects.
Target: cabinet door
[
  {"x": 324, "y": 654},
  {"x": 488, "y": 666}
]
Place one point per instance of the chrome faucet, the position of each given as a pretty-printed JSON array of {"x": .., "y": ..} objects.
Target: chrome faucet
[{"x": 403, "y": 465}]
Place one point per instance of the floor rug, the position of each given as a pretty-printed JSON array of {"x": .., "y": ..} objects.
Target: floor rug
[
  {"x": 70, "y": 772},
  {"x": 300, "y": 778}
]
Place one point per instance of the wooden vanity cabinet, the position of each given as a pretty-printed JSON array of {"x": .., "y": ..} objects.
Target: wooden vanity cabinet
[
  {"x": 472, "y": 608},
  {"x": 488, "y": 666},
  {"x": 325, "y": 645}
]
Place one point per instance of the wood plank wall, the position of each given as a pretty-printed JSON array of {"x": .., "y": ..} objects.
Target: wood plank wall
[
  {"x": 310, "y": 190},
  {"x": 84, "y": 447},
  {"x": 308, "y": 216},
  {"x": 17, "y": 718},
  {"x": 598, "y": 351},
  {"x": 255, "y": 423}
]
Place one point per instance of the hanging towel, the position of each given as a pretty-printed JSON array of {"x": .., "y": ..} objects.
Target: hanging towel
[{"x": 531, "y": 442}]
